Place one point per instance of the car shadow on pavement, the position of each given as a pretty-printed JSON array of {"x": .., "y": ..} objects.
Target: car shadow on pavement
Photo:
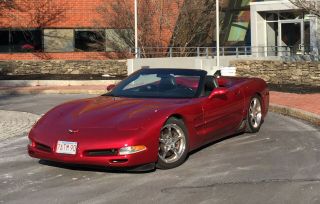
[
  {"x": 215, "y": 142},
  {"x": 135, "y": 170},
  {"x": 91, "y": 168}
]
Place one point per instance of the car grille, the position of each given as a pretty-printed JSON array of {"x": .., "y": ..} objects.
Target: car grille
[
  {"x": 103, "y": 152},
  {"x": 43, "y": 147}
]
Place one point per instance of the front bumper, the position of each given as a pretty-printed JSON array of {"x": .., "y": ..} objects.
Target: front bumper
[{"x": 131, "y": 161}]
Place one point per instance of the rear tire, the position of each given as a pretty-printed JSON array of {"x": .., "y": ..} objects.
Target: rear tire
[
  {"x": 254, "y": 116},
  {"x": 173, "y": 144}
]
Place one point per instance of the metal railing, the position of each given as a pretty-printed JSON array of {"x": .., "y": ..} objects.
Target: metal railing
[{"x": 259, "y": 51}]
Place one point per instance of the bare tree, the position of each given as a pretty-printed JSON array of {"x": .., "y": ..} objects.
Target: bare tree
[
  {"x": 312, "y": 6},
  {"x": 39, "y": 14},
  {"x": 195, "y": 26},
  {"x": 162, "y": 24},
  {"x": 156, "y": 21},
  {"x": 6, "y": 5},
  {"x": 32, "y": 13}
]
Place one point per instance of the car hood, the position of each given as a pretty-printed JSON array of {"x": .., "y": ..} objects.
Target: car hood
[{"x": 108, "y": 112}]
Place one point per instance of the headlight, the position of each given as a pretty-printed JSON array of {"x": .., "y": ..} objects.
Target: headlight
[{"x": 132, "y": 149}]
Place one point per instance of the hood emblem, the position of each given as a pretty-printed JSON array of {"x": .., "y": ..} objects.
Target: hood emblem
[{"x": 70, "y": 131}]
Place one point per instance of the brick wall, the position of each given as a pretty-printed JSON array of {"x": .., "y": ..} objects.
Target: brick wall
[
  {"x": 280, "y": 73},
  {"x": 71, "y": 15}
]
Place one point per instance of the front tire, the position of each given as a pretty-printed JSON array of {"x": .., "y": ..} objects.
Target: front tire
[
  {"x": 173, "y": 144},
  {"x": 254, "y": 116}
]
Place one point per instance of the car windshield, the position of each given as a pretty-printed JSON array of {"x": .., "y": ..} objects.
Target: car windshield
[{"x": 161, "y": 83}]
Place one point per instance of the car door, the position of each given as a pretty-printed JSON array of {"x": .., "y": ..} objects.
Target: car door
[
  {"x": 223, "y": 114},
  {"x": 237, "y": 106}
]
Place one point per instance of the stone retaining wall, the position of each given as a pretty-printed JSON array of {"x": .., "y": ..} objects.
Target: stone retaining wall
[
  {"x": 282, "y": 73},
  {"x": 111, "y": 67}
]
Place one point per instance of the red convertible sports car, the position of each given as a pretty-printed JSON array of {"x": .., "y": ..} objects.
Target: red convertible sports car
[{"x": 153, "y": 118}]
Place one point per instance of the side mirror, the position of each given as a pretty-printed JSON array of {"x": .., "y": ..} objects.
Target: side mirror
[
  {"x": 220, "y": 91},
  {"x": 110, "y": 87}
]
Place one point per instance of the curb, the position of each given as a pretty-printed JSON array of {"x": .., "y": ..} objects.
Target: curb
[{"x": 296, "y": 113}]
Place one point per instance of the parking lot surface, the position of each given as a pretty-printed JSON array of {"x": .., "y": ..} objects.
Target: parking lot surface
[{"x": 280, "y": 164}]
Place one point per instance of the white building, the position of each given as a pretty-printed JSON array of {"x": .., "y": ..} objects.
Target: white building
[{"x": 278, "y": 28}]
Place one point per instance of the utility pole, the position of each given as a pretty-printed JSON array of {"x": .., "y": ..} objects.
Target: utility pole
[
  {"x": 136, "y": 28},
  {"x": 218, "y": 33}
]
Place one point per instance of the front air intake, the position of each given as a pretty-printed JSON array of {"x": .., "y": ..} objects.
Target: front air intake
[
  {"x": 103, "y": 152},
  {"x": 42, "y": 147}
]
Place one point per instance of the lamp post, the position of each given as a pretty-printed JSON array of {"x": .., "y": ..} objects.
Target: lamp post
[
  {"x": 136, "y": 28},
  {"x": 218, "y": 33}
]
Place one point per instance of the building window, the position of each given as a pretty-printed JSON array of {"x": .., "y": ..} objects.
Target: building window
[
  {"x": 4, "y": 41},
  {"x": 20, "y": 41},
  {"x": 90, "y": 40},
  {"x": 26, "y": 41},
  {"x": 119, "y": 40},
  {"x": 235, "y": 29},
  {"x": 58, "y": 40}
]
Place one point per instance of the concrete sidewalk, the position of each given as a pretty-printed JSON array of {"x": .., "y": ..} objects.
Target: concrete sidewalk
[{"x": 303, "y": 106}]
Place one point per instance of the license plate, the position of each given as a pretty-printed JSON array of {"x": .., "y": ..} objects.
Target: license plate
[{"x": 64, "y": 147}]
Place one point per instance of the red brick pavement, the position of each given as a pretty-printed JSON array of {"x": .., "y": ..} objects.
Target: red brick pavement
[{"x": 306, "y": 102}]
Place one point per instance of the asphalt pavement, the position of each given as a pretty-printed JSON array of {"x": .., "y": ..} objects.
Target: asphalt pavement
[
  {"x": 280, "y": 164},
  {"x": 36, "y": 103}
]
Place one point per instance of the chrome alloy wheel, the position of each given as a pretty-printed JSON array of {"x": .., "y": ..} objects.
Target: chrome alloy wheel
[
  {"x": 172, "y": 143},
  {"x": 255, "y": 114}
]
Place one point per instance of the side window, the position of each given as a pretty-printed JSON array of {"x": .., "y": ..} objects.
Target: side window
[
  {"x": 142, "y": 80},
  {"x": 191, "y": 82},
  {"x": 209, "y": 85}
]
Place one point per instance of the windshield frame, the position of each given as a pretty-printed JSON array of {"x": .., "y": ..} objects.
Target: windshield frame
[{"x": 192, "y": 72}]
